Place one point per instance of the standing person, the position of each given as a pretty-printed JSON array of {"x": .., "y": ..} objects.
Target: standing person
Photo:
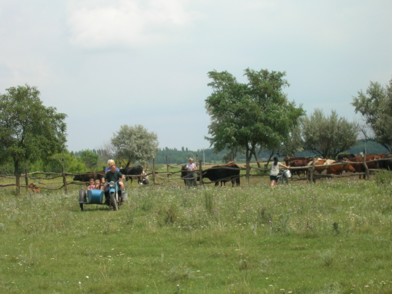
[
  {"x": 114, "y": 175},
  {"x": 274, "y": 172},
  {"x": 110, "y": 163},
  {"x": 191, "y": 178}
]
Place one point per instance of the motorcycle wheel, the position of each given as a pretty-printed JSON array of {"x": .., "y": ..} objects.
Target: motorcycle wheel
[
  {"x": 82, "y": 198},
  {"x": 113, "y": 202}
]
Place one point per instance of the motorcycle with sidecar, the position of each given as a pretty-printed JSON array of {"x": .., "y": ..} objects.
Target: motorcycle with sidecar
[{"x": 112, "y": 198}]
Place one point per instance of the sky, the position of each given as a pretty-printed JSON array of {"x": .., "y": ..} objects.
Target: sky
[{"x": 108, "y": 63}]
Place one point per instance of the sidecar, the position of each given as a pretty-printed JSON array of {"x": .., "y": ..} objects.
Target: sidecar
[{"x": 94, "y": 196}]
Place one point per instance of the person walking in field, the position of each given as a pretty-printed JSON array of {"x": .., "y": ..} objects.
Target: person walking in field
[{"x": 274, "y": 172}]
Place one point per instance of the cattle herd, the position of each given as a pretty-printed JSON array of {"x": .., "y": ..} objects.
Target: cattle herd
[
  {"x": 345, "y": 163},
  {"x": 299, "y": 166},
  {"x": 217, "y": 174}
]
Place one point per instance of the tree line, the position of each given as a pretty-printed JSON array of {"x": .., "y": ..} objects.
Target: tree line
[{"x": 251, "y": 119}]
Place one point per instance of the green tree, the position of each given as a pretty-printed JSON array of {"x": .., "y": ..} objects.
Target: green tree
[
  {"x": 252, "y": 115},
  {"x": 65, "y": 162},
  {"x": 28, "y": 129},
  {"x": 293, "y": 142},
  {"x": 327, "y": 136},
  {"x": 135, "y": 143},
  {"x": 376, "y": 107},
  {"x": 89, "y": 158}
]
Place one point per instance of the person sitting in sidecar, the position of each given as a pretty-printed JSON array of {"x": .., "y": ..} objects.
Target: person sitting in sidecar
[{"x": 113, "y": 175}]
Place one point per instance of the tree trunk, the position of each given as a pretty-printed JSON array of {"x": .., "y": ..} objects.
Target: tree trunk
[
  {"x": 17, "y": 174},
  {"x": 257, "y": 161},
  {"x": 249, "y": 154}
]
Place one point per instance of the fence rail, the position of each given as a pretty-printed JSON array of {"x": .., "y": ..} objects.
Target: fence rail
[{"x": 37, "y": 179}]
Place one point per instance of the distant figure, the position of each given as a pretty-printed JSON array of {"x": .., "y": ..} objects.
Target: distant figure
[
  {"x": 274, "y": 172},
  {"x": 191, "y": 176}
]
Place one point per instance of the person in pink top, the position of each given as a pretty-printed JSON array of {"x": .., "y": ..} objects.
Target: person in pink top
[{"x": 91, "y": 185}]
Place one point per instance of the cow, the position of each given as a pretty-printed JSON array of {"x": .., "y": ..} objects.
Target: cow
[
  {"x": 222, "y": 174},
  {"x": 320, "y": 164},
  {"x": 87, "y": 176},
  {"x": 133, "y": 172},
  {"x": 298, "y": 164},
  {"x": 372, "y": 161},
  {"x": 385, "y": 162},
  {"x": 337, "y": 167}
]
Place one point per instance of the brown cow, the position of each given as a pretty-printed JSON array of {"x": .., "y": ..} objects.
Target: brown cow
[
  {"x": 320, "y": 164},
  {"x": 297, "y": 164},
  {"x": 336, "y": 168},
  {"x": 372, "y": 161}
]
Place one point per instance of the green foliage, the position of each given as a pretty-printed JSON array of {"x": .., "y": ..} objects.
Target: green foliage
[
  {"x": 135, "y": 143},
  {"x": 383, "y": 178},
  {"x": 376, "y": 107},
  {"x": 328, "y": 136},
  {"x": 90, "y": 158},
  {"x": 28, "y": 129},
  {"x": 214, "y": 240},
  {"x": 247, "y": 115}
]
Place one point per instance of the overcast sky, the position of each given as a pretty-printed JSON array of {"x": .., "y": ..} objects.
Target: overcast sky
[{"x": 127, "y": 62}]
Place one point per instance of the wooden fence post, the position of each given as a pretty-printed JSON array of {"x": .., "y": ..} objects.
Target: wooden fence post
[
  {"x": 168, "y": 169},
  {"x": 200, "y": 171},
  {"x": 248, "y": 171},
  {"x": 366, "y": 166},
  {"x": 153, "y": 172},
  {"x": 311, "y": 172},
  {"x": 26, "y": 180},
  {"x": 64, "y": 181}
]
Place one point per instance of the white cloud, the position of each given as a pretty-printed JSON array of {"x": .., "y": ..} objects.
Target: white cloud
[{"x": 124, "y": 23}]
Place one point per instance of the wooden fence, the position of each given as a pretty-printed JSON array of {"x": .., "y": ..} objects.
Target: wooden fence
[{"x": 172, "y": 174}]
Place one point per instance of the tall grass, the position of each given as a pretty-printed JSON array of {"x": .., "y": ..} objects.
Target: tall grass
[{"x": 330, "y": 237}]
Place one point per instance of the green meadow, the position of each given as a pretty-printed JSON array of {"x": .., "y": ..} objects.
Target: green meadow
[{"x": 334, "y": 236}]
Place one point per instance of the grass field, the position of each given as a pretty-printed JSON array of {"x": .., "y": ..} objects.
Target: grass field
[{"x": 334, "y": 236}]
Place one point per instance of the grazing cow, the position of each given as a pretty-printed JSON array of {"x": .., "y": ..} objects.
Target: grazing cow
[
  {"x": 372, "y": 161},
  {"x": 222, "y": 174},
  {"x": 336, "y": 168},
  {"x": 87, "y": 176},
  {"x": 133, "y": 172},
  {"x": 320, "y": 164},
  {"x": 385, "y": 162},
  {"x": 298, "y": 163}
]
